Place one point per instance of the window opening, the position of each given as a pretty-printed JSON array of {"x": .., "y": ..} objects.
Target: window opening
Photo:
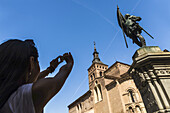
[
  {"x": 96, "y": 95},
  {"x": 100, "y": 93},
  {"x": 91, "y": 77},
  {"x": 100, "y": 73},
  {"x": 94, "y": 75},
  {"x": 132, "y": 95},
  {"x": 131, "y": 110}
]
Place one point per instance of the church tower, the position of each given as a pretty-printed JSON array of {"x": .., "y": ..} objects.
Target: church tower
[
  {"x": 96, "y": 70},
  {"x": 111, "y": 90}
]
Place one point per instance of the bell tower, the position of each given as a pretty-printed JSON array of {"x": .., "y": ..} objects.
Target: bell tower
[{"x": 96, "y": 70}]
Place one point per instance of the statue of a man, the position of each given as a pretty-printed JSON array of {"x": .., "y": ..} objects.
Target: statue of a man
[{"x": 131, "y": 28}]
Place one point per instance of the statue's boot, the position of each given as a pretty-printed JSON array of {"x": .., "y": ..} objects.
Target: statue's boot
[{"x": 142, "y": 40}]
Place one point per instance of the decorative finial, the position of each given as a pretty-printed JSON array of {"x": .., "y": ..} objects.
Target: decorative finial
[
  {"x": 117, "y": 7},
  {"x": 94, "y": 45}
]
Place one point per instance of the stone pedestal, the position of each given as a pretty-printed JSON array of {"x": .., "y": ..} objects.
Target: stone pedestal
[{"x": 151, "y": 73}]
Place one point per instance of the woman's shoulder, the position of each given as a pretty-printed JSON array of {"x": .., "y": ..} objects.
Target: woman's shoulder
[
  {"x": 24, "y": 90},
  {"x": 21, "y": 100}
]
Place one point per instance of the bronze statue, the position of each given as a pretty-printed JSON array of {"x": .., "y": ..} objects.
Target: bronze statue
[{"x": 131, "y": 28}]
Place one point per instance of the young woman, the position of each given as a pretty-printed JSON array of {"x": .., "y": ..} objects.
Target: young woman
[{"x": 23, "y": 89}]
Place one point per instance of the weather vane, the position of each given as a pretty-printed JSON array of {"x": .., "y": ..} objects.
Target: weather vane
[
  {"x": 94, "y": 45},
  {"x": 131, "y": 28}
]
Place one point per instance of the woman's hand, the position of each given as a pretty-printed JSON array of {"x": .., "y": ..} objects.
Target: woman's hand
[
  {"x": 68, "y": 58},
  {"x": 54, "y": 63}
]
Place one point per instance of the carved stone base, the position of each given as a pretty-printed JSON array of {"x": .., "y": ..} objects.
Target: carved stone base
[{"x": 151, "y": 73}]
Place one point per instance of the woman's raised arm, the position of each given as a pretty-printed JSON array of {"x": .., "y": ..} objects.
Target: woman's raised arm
[
  {"x": 53, "y": 65},
  {"x": 44, "y": 89}
]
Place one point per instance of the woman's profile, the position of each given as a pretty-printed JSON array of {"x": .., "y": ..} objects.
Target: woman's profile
[{"x": 23, "y": 88}]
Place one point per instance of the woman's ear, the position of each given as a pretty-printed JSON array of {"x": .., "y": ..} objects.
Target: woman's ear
[{"x": 32, "y": 63}]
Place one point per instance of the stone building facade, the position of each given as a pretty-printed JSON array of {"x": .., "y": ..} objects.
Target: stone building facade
[{"x": 111, "y": 90}]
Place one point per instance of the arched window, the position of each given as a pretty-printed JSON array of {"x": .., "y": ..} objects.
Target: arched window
[
  {"x": 79, "y": 108},
  {"x": 100, "y": 73},
  {"x": 138, "y": 110},
  {"x": 98, "y": 93},
  {"x": 91, "y": 77},
  {"x": 131, "y": 110},
  {"x": 94, "y": 75},
  {"x": 96, "y": 98},
  {"x": 131, "y": 95}
]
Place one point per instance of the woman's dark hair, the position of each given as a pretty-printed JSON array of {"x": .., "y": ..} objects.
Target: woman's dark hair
[{"x": 14, "y": 66}]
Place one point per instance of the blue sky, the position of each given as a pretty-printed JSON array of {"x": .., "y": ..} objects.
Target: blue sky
[{"x": 59, "y": 26}]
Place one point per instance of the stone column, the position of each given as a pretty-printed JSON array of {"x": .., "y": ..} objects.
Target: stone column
[
  {"x": 159, "y": 90},
  {"x": 150, "y": 81}
]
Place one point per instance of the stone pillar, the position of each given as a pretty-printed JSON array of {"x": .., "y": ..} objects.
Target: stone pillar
[
  {"x": 159, "y": 90},
  {"x": 151, "y": 73}
]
